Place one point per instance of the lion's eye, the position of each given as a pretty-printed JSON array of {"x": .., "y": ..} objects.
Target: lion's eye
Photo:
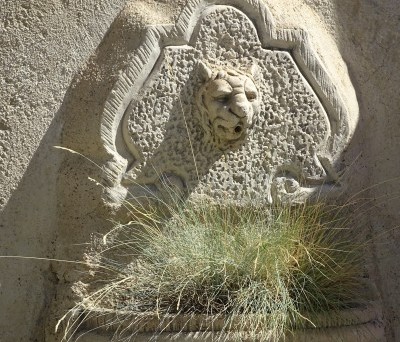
[
  {"x": 222, "y": 98},
  {"x": 251, "y": 95}
]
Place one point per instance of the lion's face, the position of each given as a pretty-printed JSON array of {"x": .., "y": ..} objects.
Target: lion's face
[{"x": 228, "y": 100}]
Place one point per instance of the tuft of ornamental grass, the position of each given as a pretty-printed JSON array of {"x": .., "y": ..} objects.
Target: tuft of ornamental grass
[{"x": 264, "y": 271}]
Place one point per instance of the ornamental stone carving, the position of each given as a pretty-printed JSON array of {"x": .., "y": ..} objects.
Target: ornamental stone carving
[
  {"x": 228, "y": 101},
  {"x": 224, "y": 105}
]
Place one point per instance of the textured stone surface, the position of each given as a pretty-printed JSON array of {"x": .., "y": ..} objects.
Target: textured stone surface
[
  {"x": 173, "y": 112},
  {"x": 44, "y": 44},
  {"x": 288, "y": 131},
  {"x": 287, "y": 139}
]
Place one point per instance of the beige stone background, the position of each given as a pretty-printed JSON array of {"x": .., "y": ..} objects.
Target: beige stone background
[{"x": 51, "y": 85}]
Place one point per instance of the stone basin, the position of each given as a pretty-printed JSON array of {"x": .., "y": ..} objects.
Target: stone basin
[{"x": 362, "y": 324}]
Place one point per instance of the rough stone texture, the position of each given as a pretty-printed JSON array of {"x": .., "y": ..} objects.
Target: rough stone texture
[
  {"x": 45, "y": 44},
  {"x": 156, "y": 122},
  {"x": 365, "y": 33},
  {"x": 164, "y": 118}
]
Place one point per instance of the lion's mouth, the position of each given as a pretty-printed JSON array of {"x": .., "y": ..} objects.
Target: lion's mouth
[
  {"x": 231, "y": 134},
  {"x": 238, "y": 129}
]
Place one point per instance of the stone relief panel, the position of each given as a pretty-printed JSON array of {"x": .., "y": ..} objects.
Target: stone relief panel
[{"x": 222, "y": 114}]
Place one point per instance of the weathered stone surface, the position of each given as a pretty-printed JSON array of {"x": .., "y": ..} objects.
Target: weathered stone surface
[
  {"x": 175, "y": 118},
  {"x": 44, "y": 44}
]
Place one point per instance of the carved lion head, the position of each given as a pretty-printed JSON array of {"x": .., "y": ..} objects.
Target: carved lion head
[{"x": 228, "y": 100}]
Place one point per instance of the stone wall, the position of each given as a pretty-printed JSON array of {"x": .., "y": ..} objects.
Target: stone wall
[
  {"x": 58, "y": 62},
  {"x": 44, "y": 44}
]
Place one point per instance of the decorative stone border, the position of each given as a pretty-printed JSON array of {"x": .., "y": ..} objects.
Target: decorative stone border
[{"x": 295, "y": 41}]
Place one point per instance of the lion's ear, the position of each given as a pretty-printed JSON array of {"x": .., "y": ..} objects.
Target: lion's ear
[
  {"x": 254, "y": 71},
  {"x": 204, "y": 71}
]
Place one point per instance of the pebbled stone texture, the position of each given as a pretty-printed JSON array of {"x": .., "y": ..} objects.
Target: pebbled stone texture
[{"x": 46, "y": 44}]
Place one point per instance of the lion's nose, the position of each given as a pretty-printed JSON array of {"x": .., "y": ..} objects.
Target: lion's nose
[{"x": 239, "y": 105}]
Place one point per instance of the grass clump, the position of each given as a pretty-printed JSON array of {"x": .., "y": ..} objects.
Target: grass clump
[{"x": 262, "y": 271}]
